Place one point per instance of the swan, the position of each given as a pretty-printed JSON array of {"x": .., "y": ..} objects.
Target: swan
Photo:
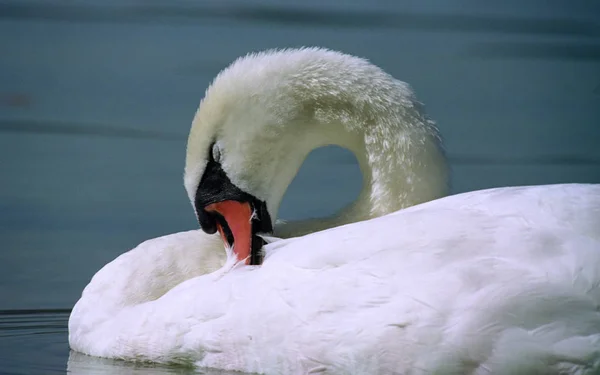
[{"x": 405, "y": 280}]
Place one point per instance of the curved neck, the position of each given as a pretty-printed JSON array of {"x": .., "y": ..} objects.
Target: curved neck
[{"x": 401, "y": 166}]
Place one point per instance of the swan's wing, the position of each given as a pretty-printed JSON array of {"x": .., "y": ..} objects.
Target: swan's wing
[
  {"x": 500, "y": 281},
  {"x": 517, "y": 222},
  {"x": 468, "y": 284}
]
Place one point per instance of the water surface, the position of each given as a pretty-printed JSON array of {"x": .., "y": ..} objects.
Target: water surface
[{"x": 95, "y": 107}]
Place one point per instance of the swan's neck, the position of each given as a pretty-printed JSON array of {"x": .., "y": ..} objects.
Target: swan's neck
[{"x": 402, "y": 163}]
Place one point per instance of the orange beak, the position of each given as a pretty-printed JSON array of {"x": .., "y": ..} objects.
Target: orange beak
[{"x": 238, "y": 217}]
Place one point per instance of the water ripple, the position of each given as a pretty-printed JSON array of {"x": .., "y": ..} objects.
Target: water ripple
[{"x": 33, "y": 341}]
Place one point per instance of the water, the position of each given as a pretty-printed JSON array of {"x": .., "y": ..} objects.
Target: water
[{"x": 95, "y": 107}]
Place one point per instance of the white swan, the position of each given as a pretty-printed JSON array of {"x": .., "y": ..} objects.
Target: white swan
[{"x": 500, "y": 281}]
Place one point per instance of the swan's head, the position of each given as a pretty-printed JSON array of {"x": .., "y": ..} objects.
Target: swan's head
[
  {"x": 263, "y": 115},
  {"x": 241, "y": 152}
]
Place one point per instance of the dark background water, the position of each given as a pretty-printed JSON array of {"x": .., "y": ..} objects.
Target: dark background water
[{"x": 96, "y": 99}]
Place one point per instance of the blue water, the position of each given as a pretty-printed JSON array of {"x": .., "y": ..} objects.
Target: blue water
[{"x": 95, "y": 105}]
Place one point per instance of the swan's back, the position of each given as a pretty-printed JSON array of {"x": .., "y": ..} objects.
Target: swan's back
[{"x": 501, "y": 281}]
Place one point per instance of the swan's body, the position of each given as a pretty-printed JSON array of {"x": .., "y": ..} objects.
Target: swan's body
[
  {"x": 499, "y": 281},
  {"x": 493, "y": 282}
]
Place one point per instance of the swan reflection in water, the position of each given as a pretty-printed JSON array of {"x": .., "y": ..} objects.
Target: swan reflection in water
[{"x": 82, "y": 364}]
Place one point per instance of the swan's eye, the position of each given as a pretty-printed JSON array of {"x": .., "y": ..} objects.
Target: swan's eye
[{"x": 216, "y": 153}]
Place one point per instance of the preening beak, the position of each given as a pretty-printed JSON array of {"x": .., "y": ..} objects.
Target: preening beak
[{"x": 237, "y": 215}]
